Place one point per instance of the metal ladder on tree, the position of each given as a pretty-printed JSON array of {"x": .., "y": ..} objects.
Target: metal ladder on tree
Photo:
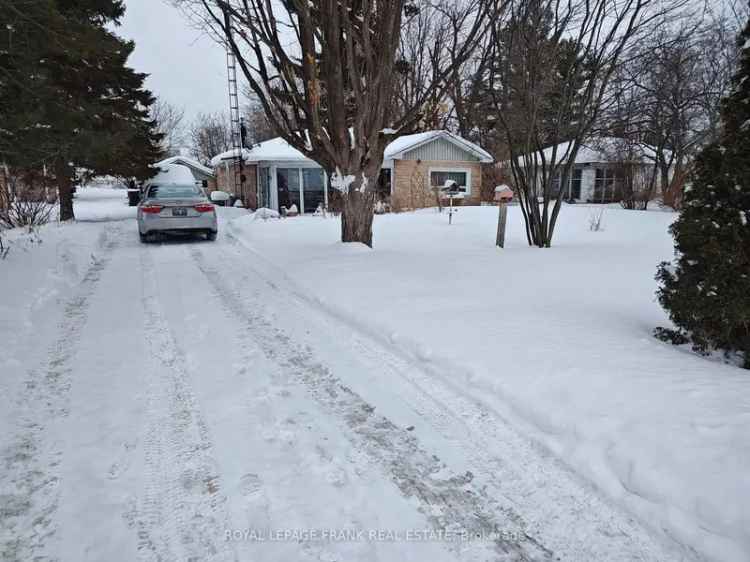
[{"x": 235, "y": 121}]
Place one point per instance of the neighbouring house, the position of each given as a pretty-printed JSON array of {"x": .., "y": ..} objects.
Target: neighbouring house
[
  {"x": 277, "y": 175},
  {"x": 606, "y": 170},
  {"x": 200, "y": 172}
]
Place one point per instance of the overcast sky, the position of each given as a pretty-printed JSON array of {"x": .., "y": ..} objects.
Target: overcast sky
[{"x": 186, "y": 67}]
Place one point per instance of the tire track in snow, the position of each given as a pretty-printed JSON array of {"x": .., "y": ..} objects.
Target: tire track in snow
[
  {"x": 182, "y": 515},
  {"x": 572, "y": 517},
  {"x": 450, "y": 502},
  {"x": 29, "y": 480},
  {"x": 524, "y": 477}
]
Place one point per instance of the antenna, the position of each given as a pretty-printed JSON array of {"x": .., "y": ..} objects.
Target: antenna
[{"x": 236, "y": 124}]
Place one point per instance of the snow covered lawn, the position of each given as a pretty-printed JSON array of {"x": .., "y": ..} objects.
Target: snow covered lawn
[
  {"x": 556, "y": 340},
  {"x": 276, "y": 395}
]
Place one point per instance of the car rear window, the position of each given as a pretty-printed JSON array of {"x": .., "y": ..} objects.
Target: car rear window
[{"x": 172, "y": 191}]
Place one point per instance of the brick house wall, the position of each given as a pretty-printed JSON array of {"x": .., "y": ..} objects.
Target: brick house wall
[
  {"x": 225, "y": 175},
  {"x": 411, "y": 189}
]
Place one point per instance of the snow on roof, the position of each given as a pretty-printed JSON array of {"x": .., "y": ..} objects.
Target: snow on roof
[
  {"x": 278, "y": 149},
  {"x": 603, "y": 149},
  {"x": 228, "y": 155},
  {"x": 406, "y": 143},
  {"x": 275, "y": 149},
  {"x": 185, "y": 161},
  {"x": 178, "y": 174}
]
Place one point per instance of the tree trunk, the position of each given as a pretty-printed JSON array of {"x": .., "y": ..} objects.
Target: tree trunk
[
  {"x": 63, "y": 175},
  {"x": 356, "y": 217}
]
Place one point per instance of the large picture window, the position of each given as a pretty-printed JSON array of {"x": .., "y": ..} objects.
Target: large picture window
[
  {"x": 438, "y": 178},
  {"x": 303, "y": 187}
]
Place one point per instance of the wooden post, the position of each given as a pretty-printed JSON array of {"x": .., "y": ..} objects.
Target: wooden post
[{"x": 501, "y": 220}]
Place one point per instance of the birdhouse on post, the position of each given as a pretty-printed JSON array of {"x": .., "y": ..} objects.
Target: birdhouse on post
[
  {"x": 503, "y": 196},
  {"x": 453, "y": 191}
]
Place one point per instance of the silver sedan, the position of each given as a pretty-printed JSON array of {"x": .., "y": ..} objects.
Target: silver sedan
[{"x": 176, "y": 209}]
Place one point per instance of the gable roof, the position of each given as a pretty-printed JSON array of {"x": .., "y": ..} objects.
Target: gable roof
[
  {"x": 279, "y": 150},
  {"x": 399, "y": 147},
  {"x": 601, "y": 150},
  {"x": 185, "y": 161}
]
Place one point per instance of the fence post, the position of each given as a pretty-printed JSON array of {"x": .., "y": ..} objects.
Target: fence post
[{"x": 501, "y": 220}]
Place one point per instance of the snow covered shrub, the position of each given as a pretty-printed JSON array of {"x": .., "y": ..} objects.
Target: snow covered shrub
[
  {"x": 707, "y": 291},
  {"x": 595, "y": 220},
  {"x": 25, "y": 204}
]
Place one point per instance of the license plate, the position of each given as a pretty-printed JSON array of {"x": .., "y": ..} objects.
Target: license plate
[{"x": 179, "y": 212}]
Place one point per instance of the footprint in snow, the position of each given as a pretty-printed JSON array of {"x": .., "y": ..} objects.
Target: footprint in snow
[
  {"x": 250, "y": 484},
  {"x": 122, "y": 463},
  {"x": 336, "y": 476}
]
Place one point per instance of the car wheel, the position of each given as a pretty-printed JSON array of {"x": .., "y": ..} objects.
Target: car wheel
[
  {"x": 143, "y": 237},
  {"x": 211, "y": 235}
]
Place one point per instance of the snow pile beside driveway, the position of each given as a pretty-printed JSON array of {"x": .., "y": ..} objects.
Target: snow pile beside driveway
[
  {"x": 100, "y": 204},
  {"x": 557, "y": 340},
  {"x": 41, "y": 271}
]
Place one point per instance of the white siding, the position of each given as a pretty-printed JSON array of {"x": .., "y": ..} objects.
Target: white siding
[{"x": 587, "y": 183}]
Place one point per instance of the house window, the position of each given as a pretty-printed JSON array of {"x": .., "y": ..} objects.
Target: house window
[
  {"x": 314, "y": 189},
  {"x": 461, "y": 177},
  {"x": 383, "y": 188},
  {"x": 288, "y": 182},
  {"x": 264, "y": 187},
  {"x": 575, "y": 184},
  {"x": 607, "y": 185},
  {"x": 555, "y": 190}
]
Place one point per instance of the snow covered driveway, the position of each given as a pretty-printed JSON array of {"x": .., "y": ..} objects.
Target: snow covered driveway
[{"x": 179, "y": 401}]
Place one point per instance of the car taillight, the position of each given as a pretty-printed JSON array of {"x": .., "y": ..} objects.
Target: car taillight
[
  {"x": 151, "y": 208},
  {"x": 204, "y": 208}
]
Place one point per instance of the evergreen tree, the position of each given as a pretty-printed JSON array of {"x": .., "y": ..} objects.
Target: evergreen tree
[
  {"x": 707, "y": 292},
  {"x": 68, "y": 98}
]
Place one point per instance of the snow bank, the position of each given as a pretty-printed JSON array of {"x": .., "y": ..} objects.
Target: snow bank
[
  {"x": 558, "y": 340},
  {"x": 41, "y": 272},
  {"x": 265, "y": 214},
  {"x": 100, "y": 204}
]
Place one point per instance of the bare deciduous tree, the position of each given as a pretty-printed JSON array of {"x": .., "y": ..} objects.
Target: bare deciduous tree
[
  {"x": 668, "y": 95},
  {"x": 552, "y": 65},
  {"x": 209, "y": 135},
  {"x": 169, "y": 121},
  {"x": 326, "y": 74},
  {"x": 259, "y": 128}
]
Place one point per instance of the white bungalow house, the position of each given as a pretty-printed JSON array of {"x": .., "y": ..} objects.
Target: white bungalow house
[
  {"x": 278, "y": 175},
  {"x": 605, "y": 168}
]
